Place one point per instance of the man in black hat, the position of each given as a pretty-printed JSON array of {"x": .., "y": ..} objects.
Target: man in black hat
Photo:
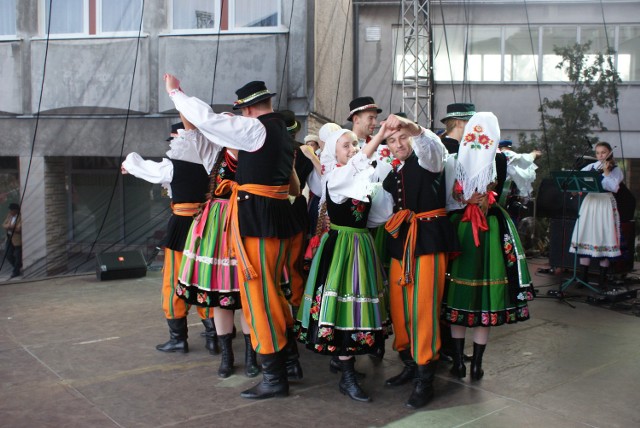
[
  {"x": 187, "y": 180},
  {"x": 363, "y": 112},
  {"x": 261, "y": 223}
]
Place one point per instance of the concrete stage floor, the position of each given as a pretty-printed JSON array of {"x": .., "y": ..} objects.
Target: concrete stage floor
[{"x": 77, "y": 352}]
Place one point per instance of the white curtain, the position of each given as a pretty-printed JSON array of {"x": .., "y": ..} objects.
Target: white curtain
[
  {"x": 250, "y": 13},
  {"x": 66, "y": 16},
  {"x": 192, "y": 14},
  {"x": 7, "y": 17},
  {"x": 121, "y": 15}
]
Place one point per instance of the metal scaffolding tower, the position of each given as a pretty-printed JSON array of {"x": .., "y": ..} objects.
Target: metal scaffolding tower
[{"x": 416, "y": 59}]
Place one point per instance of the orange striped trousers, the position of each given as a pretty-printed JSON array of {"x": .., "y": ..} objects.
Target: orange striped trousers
[
  {"x": 415, "y": 308},
  {"x": 264, "y": 305},
  {"x": 173, "y": 306}
]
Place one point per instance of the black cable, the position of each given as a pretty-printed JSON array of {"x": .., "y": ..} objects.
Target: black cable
[
  {"x": 215, "y": 62},
  {"x": 543, "y": 122},
  {"x": 446, "y": 43},
  {"x": 35, "y": 130},
  {"x": 124, "y": 134},
  {"x": 617, "y": 111},
  {"x": 465, "y": 83},
  {"x": 344, "y": 41},
  {"x": 286, "y": 56}
]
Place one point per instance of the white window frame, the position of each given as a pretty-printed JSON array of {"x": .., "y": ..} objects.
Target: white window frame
[
  {"x": 231, "y": 14},
  {"x": 42, "y": 23}
]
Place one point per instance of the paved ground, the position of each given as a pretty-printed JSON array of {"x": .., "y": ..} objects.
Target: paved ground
[{"x": 76, "y": 352}]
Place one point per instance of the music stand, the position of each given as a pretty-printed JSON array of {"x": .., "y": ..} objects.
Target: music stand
[{"x": 578, "y": 182}]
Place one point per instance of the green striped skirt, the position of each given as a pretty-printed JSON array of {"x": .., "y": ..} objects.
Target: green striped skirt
[
  {"x": 344, "y": 309},
  {"x": 489, "y": 285}
]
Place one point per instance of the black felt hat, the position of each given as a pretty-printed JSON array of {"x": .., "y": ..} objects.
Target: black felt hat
[
  {"x": 462, "y": 111},
  {"x": 174, "y": 129},
  {"x": 251, "y": 93},
  {"x": 290, "y": 120},
  {"x": 505, "y": 143},
  {"x": 362, "y": 104}
]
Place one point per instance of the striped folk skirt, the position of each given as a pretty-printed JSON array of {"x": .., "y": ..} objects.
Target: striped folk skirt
[
  {"x": 489, "y": 285},
  {"x": 344, "y": 309},
  {"x": 208, "y": 276}
]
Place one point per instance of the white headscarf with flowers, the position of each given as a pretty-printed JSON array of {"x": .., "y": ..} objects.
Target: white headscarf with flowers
[
  {"x": 352, "y": 180},
  {"x": 475, "y": 169}
]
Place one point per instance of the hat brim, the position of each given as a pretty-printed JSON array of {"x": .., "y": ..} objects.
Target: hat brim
[
  {"x": 465, "y": 117},
  {"x": 350, "y": 118},
  {"x": 253, "y": 101}
]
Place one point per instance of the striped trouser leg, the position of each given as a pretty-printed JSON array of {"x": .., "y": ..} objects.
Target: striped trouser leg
[
  {"x": 425, "y": 299},
  {"x": 399, "y": 306},
  {"x": 173, "y": 306},
  {"x": 264, "y": 306}
]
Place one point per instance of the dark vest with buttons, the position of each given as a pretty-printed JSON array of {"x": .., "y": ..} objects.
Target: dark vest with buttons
[
  {"x": 271, "y": 165},
  {"x": 419, "y": 190},
  {"x": 190, "y": 184}
]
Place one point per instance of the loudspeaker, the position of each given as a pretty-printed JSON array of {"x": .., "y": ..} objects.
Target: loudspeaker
[
  {"x": 549, "y": 201},
  {"x": 562, "y": 258},
  {"x": 120, "y": 265}
]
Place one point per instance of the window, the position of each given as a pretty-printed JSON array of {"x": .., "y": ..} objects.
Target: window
[
  {"x": 484, "y": 54},
  {"x": 552, "y": 37},
  {"x": 91, "y": 17},
  {"x": 208, "y": 16},
  {"x": 628, "y": 54},
  {"x": 512, "y": 53},
  {"x": 406, "y": 66},
  {"x": 137, "y": 210},
  {"x": 7, "y": 18},
  {"x": 520, "y": 61}
]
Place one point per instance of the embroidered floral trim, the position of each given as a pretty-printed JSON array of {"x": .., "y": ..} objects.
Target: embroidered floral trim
[
  {"x": 509, "y": 252},
  {"x": 477, "y": 139},
  {"x": 357, "y": 209}
]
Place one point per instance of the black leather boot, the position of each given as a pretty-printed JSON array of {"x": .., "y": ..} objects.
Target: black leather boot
[
  {"x": 335, "y": 367},
  {"x": 458, "y": 369},
  {"x": 603, "y": 279},
  {"x": 274, "y": 378},
  {"x": 294, "y": 369},
  {"x": 583, "y": 276},
  {"x": 422, "y": 386},
  {"x": 226, "y": 362},
  {"x": 476, "y": 362},
  {"x": 211, "y": 336},
  {"x": 408, "y": 372},
  {"x": 349, "y": 382},
  {"x": 177, "y": 337},
  {"x": 251, "y": 368}
]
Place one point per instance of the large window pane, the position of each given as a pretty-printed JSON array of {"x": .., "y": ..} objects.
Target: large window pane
[
  {"x": 629, "y": 53},
  {"x": 250, "y": 13},
  {"x": 521, "y": 54},
  {"x": 7, "y": 18},
  {"x": 448, "y": 64},
  {"x": 551, "y": 37},
  {"x": 121, "y": 15},
  {"x": 484, "y": 54},
  {"x": 67, "y": 16},
  {"x": 196, "y": 14},
  {"x": 406, "y": 66}
]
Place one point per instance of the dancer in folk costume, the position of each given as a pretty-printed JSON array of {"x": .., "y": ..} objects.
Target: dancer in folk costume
[
  {"x": 185, "y": 178},
  {"x": 208, "y": 274},
  {"x": 343, "y": 310},
  {"x": 261, "y": 223},
  {"x": 422, "y": 238},
  {"x": 489, "y": 283}
]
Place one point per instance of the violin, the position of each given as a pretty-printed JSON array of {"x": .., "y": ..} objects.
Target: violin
[{"x": 608, "y": 164}]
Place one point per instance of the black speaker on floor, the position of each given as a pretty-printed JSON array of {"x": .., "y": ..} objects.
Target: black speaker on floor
[
  {"x": 120, "y": 265},
  {"x": 562, "y": 258}
]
